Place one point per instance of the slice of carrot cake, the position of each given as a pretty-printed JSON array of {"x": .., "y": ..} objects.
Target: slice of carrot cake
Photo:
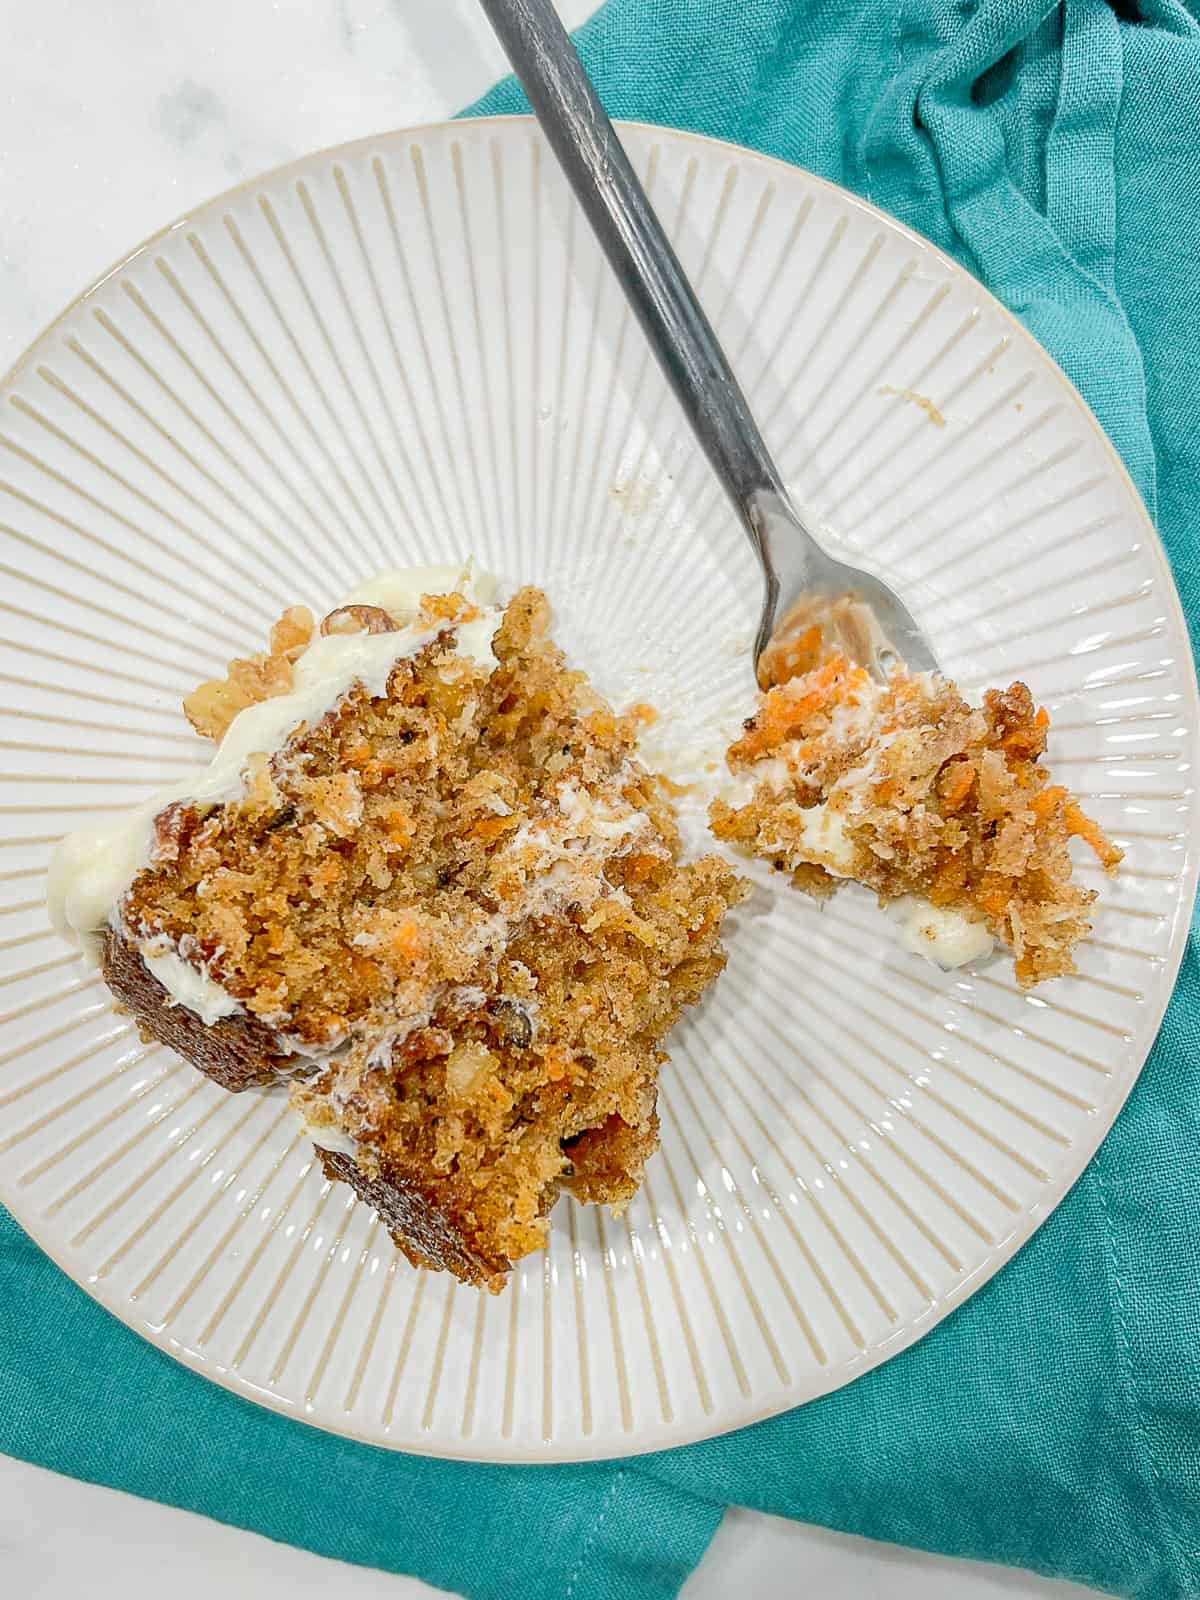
[
  {"x": 426, "y": 880},
  {"x": 942, "y": 808}
]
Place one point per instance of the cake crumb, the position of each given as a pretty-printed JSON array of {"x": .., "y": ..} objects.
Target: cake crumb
[{"x": 906, "y": 788}]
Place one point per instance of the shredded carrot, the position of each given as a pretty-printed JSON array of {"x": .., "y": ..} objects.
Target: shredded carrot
[
  {"x": 993, "y": 895},
  {"x": 1081, "y": 826},
  {"x": 786, "y": 708},
  {"x": 791, "y": 658},
  {"x": 948, "y": 881},
  {"x": 955, "y": 784},
  {"x": 1044, "y": 805},
  {"x": 489, "y": 828},
  {"x": 408, "y": 942},
  {"x": 601, "y": 724},
  {"x": 1021, "y": 743},
  {"x": 448, "y": 608},
  {"x": 558, "y": 1063},
  {"x": 994, "y": 902},
  {"x": 399, "y": 826},
  {"x": 366, "y": 972},
  {"x": 638, "y": 868},
  {"x": 1026, "y": 741},
  {"x": 375, "y": 773}
]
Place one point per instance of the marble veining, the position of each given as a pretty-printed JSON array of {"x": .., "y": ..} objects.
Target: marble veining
[{"x": 115, "y": 119}]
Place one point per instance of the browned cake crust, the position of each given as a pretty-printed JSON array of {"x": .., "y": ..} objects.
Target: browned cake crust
[
  {"x": 430, "y": 1229},
  {"x": 240, "y": 1053},
  {"x": 421, "y": 1224},
  {"x": 236, "y": 1052}
]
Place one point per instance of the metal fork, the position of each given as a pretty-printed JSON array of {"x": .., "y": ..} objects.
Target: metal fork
[{"x": 802, "y": 581}]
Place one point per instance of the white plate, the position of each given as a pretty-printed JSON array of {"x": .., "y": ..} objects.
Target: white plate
[{"x": 409, "y": 349}]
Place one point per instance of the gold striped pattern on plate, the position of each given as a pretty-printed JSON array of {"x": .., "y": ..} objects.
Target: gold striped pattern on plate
[{"x": 409, "y": 350}]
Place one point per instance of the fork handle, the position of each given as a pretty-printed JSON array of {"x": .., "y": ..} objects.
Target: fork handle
[{"x": 614, "y": 202}]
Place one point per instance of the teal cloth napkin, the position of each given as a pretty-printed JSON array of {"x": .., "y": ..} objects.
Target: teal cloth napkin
[{"x": 1053, "y": 1421}]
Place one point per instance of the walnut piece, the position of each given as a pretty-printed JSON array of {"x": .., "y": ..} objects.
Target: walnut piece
[
  {"x": 212, "y": 707},
  {"x": 292, "y": 634},
  {"x": 358, "y": 619}
]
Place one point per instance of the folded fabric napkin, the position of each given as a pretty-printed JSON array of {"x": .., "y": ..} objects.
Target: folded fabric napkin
[{"x": 1053, "y": 1421}]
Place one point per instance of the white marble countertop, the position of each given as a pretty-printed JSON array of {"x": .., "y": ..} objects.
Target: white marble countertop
[{"x": 116, "y": 117}]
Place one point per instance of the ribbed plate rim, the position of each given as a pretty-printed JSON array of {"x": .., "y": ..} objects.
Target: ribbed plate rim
[{"x": 653, "y": 1438}]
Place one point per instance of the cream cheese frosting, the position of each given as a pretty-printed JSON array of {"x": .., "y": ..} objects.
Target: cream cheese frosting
[
  {"x": 941, "y": 935},
  {"x": 187, "y": 985},
  {"x": 944, "y": 937},
  {"x": 91, "y": 869}
]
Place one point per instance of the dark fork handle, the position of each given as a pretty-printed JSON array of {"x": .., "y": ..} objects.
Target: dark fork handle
[{"x": 614, "y": 202}]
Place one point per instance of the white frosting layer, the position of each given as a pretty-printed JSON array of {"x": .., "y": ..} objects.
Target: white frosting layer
[
  {"x": 740, "y": 788},
  {"x": 399, "y": 590},
  {"x": 327, "y": 1135},
  {"x": 944, "y": 937},
  {"x": 90, "y": 870},
  {"x": 474, "y": 639},
  {"x": 823, "y": 840},
  {"x": 586, "y": 819},
  {"x": 187, "y": 985},
  {"x": 824, "y": 836}
]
